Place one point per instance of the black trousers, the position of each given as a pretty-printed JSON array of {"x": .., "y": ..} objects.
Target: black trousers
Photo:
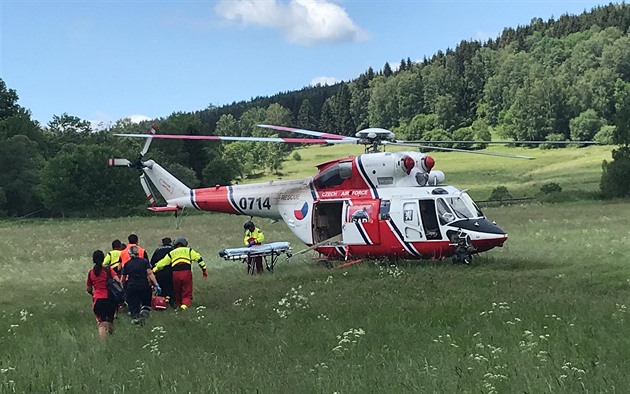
[
  {"x": 138, "y": 297},
  {"x": 255, "y": 263},
  {"x": 165, "y": 280}
]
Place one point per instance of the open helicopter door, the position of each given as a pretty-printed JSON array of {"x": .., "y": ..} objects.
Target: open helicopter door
[{"x": 360, "y": 222}]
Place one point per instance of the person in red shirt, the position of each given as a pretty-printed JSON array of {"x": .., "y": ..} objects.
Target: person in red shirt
[{"x": 104, "y": 309}]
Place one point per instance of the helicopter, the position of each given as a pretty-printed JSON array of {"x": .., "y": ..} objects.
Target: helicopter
[{"x": 379, "y": 204}]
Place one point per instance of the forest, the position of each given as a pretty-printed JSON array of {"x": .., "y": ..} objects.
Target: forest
[{"x": 562, "y": 79}]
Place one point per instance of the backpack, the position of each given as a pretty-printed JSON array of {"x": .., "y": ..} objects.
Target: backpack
[{"x": 115, "y": 289}]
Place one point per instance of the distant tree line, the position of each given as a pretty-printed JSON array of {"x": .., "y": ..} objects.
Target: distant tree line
[{"x": 561, "y": 79}]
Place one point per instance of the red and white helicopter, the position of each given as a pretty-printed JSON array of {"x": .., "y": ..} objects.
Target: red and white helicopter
[{"x": 378, "y": 204}]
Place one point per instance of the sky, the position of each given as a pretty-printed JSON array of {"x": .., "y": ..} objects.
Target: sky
[{"x": 103, "y": 61}]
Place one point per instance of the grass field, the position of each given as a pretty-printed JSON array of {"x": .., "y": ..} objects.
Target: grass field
[{"x": 546, "y": 313}]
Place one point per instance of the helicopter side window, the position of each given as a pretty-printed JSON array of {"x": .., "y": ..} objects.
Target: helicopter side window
[
  {"x": 383, "y": 213},
  {"x": 333, "y": 175}
]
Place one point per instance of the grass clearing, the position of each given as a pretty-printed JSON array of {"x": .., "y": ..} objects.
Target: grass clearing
[{"x": 546, "y": 313}]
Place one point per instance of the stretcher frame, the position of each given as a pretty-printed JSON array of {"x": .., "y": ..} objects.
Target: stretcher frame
[{"x": 269, "y": 252}]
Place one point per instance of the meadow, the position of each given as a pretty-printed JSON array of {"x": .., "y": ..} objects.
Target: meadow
[{"x": 546, "y": 313}]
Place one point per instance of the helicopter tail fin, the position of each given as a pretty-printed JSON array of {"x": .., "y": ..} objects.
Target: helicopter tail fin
[{"x": 174, "y": 191}]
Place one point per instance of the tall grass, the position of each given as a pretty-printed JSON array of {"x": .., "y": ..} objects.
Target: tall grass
[{"x": 546, "y": 313}]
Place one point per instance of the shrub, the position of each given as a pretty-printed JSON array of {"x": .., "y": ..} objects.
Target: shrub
[
  {"x": 500, "y": 193},
  {"x": 297, "y": 156},
  {"x": 605, "y": 135},
  {"x": 550, "y": 187},
  {"x": 614, "y": 181},
  {"x": 553, "y": 137}
]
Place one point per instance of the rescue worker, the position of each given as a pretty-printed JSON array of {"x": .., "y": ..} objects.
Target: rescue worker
[
  {"x": 137, "y": 276},
  {"x": 253, "y": 236},
  {"x": 180, "y": 260},
  {"x": 132, "y": 241},
  {"x": 164, "y": 276},
  {"x": 112, "y": 258},
  {"x": 104, "y": 309}
]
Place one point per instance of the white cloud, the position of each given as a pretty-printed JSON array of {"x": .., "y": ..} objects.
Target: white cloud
[
  {"x": 138, "y": 118},
  {"x": 302, "y": 21},
  {"x": 324, "y": 81}
]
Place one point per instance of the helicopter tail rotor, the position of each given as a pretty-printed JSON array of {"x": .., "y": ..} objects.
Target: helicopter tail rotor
[
  {"x": 147, "y": 190},
  {"x": 118, "y": 163}
]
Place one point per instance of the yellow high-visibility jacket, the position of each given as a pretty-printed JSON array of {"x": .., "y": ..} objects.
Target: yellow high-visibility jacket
[
  {"x": 180, "y": 258},
  {"x": 257, "y": 235},
  {"x": 112, "y": 259}
]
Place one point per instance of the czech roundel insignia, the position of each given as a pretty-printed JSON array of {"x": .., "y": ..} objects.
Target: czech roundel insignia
[{"x": 301, "y": 212}]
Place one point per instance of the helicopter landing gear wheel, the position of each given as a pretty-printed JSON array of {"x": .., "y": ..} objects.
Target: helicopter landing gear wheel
[{"x": 463, "y": 258}]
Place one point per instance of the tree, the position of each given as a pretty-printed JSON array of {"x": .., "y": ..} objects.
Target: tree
[
  {"x": 585, "y": 126},
  {"x": 20, "y": 162},
  {"x": 327, "y": 121},
  {"x": 622, "y": 115},
  {"x": 228, "y": 126},
  {"x": 343, "y": 115},
  {"x": 8, "y": 101},
  {"x": 76, "y": 183},
  {"x": 306, "y": 117},
  {"x": 387, "y": 70},
  {"x": 615, "y": 175},
  {"x": 65, "y": 131},
  {"x": 360, "y": 98}
]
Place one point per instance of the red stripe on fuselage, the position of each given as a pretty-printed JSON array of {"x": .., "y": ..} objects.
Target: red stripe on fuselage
[
  {"x": 391, "y": 246},
  {"x": 214, "y": 199}
]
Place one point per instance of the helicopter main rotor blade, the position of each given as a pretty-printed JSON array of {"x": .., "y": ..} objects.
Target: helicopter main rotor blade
[
  {"x": 458, "y": 150},
  {"x": 307, "y": 132},
  {"x": 245, "y": 139},
  {"x": 504, "y": 142}
]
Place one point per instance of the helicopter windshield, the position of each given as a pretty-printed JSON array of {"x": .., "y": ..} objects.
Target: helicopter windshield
[
  {"x": 453, "y": 208},
  {"x": 470, "y": 203}
]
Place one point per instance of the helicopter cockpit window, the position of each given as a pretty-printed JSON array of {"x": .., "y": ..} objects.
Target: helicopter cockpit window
[
  {"x": 444, "y": 212},
  {"x": 334, "y": 175},
  {"x": 452, "y": 208},
  {"x": 471, "y": 204}
]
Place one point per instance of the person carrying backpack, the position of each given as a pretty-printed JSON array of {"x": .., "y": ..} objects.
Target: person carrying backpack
[{"x": 104, "y": 309}]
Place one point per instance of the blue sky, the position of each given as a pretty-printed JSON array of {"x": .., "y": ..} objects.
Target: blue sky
[{"x": 107, "y": 60}]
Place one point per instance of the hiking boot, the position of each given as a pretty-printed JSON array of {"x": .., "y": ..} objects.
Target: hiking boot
[{"x": 145, "y": 312}]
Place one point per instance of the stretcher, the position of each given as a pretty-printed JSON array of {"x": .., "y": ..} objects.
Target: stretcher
[{"x": 269, "y": 253}]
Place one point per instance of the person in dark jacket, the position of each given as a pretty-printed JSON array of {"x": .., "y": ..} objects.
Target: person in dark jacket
[
  {"x": 104, "y": 309},
  {"x": 165, "y": 276},
  {"x": 138, "y": 278}
]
